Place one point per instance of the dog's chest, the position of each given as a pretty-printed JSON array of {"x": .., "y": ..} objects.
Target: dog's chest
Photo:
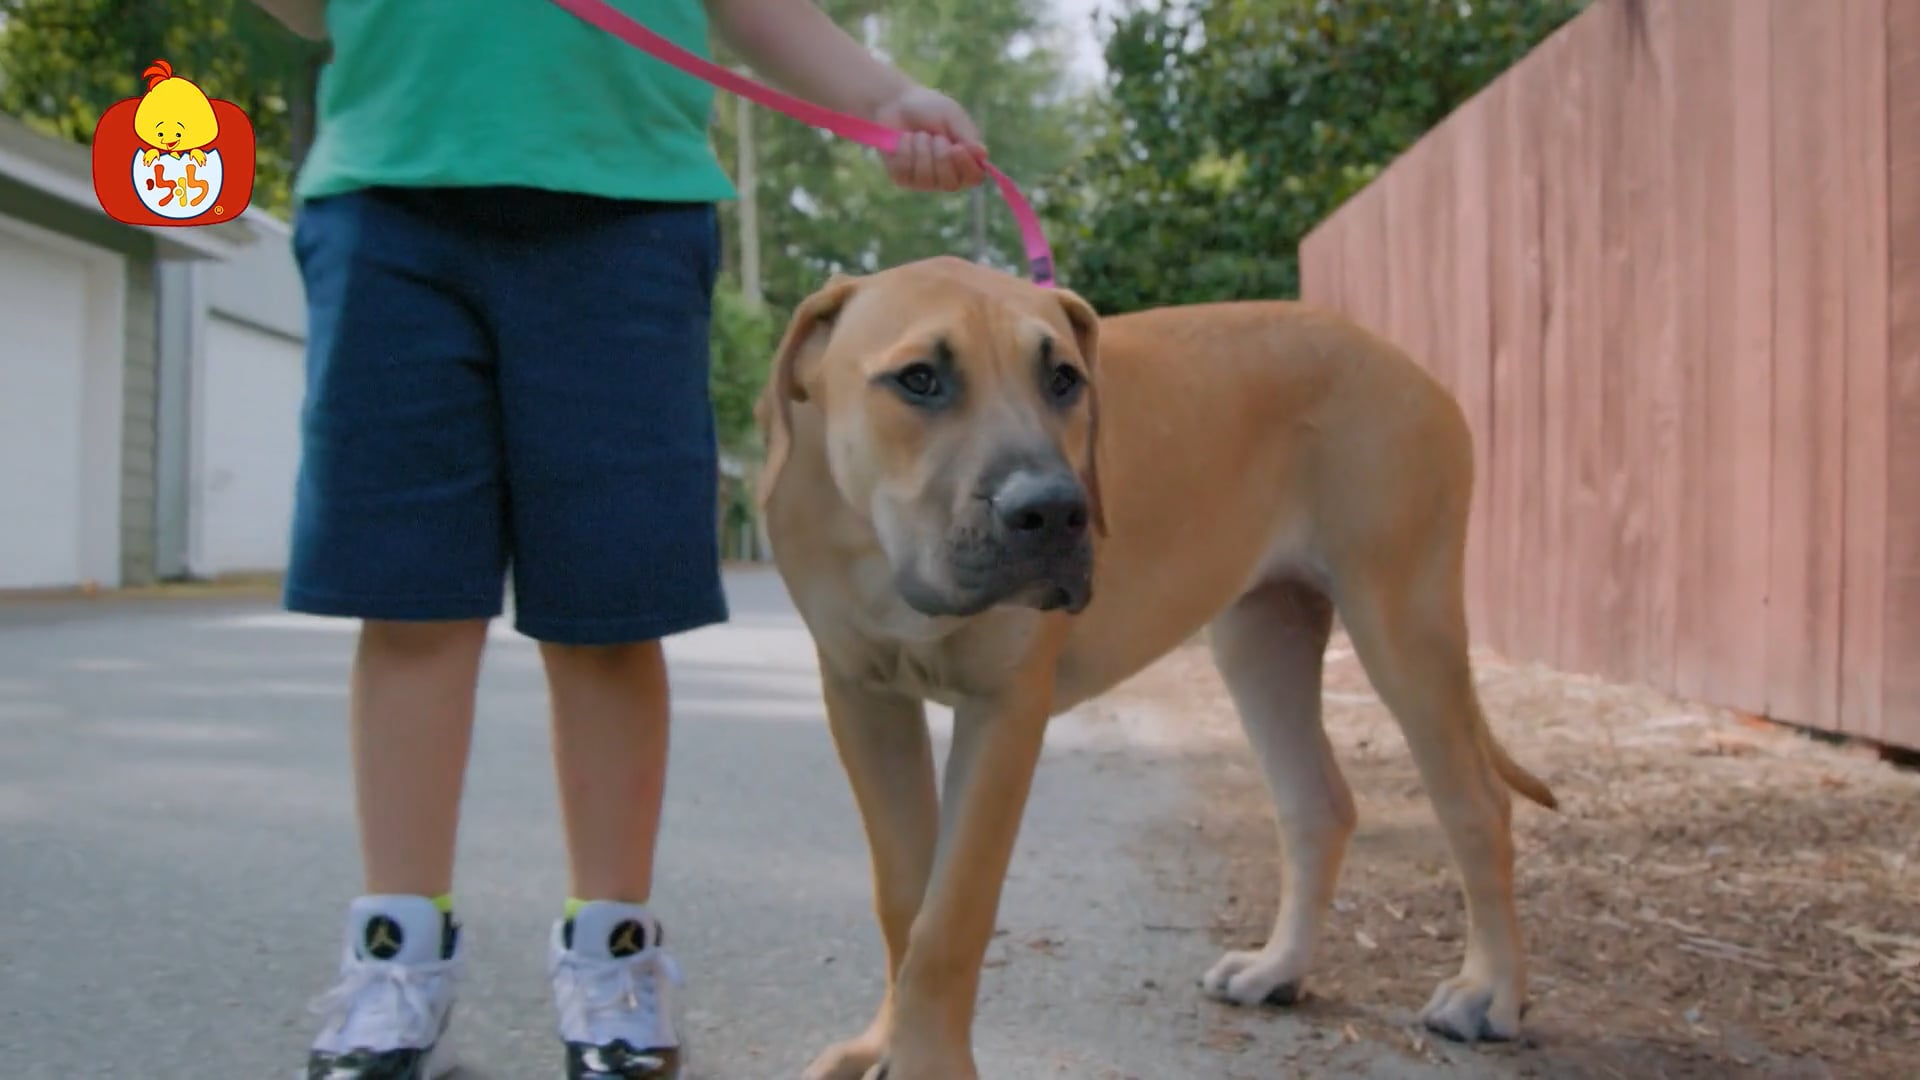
[
  {"x": 923, "y": 673},
  {"x": 946, "y": 673},
  {"x": 880, "y": 642}
]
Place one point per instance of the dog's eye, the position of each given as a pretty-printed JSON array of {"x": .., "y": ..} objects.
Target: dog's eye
[
  {"x": 920, "y": 380},
  {"x": 1064, "y": 381}
]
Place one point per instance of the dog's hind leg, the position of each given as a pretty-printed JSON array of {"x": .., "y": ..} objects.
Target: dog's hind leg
[
  {"x": 1407, "y": 620},
  {"x": 1269, "y": 647}
]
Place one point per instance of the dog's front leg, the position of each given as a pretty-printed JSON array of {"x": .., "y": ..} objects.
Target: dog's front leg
[
  {"x": 996, "y": 748},
  {"x": 883, "y": 746}
]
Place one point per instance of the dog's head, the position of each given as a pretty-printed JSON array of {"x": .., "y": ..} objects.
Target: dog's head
[{"x": 961, "y": 418}]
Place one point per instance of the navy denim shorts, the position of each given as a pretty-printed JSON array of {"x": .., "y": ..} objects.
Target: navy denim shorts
[{"x": 508, "y": 380}]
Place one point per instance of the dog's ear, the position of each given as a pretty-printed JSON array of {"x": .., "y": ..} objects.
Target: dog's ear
[
  {"x": 1086, "y": 333},
  {"x": 806, "y": 335}
]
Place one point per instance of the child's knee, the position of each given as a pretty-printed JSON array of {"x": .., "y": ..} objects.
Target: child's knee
[
  {"x": 623, "y": 659},
  {"x": 423, "y": 640}
]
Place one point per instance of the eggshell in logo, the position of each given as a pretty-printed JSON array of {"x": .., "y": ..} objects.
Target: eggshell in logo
[{"x": 178, "y": 187}]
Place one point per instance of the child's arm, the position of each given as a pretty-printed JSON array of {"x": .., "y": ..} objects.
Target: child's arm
[
  {"x": 795, "y": 44},
  {"x": 308, "y": 18}
]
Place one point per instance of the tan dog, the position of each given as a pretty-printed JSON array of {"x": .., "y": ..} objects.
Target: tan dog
[{"x": 980, "y": 494}]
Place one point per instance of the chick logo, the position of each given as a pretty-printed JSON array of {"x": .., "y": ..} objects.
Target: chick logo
[{"x": 173, "y": 156}]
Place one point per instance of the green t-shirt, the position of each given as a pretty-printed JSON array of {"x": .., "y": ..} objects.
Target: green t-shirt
[{"x": 511, "y": 92}]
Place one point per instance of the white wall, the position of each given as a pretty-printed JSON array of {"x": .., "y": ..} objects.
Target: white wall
[
  {"x": 248, "y": 448},
  {"x": 62, "y": 317},
  {"x": 246, "y": 362}
]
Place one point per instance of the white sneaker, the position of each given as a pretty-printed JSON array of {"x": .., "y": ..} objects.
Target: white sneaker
[
  {"x": 614, "y": 988},
  {"x": 386, "y": 1019}
]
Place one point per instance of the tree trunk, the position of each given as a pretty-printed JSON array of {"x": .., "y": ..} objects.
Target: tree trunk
[
  {"x": 302, "y": 105},
  {"x": 749, "y": 208},
  {"x": 149, "y": 36}
]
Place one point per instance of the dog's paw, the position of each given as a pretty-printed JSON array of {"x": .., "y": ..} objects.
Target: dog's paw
[
  {"x": 1469, "y": 1010},
  {"x": 854, "y": 1059},
  {"x": 886, "y": 1070},
  {"x": 1258, "y": 977}
]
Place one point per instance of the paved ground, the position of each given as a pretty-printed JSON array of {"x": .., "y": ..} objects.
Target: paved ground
[{"x": 176, "y": 842}]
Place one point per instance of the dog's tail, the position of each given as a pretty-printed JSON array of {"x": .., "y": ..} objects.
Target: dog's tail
[{"x": 1517, "y": 777}]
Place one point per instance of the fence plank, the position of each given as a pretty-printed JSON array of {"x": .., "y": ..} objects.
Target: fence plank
[
  {"x": 1328, "y": 273},
  {"x": 1901, "y": 708},
  {"x": 1803, "y": 650},
  {"x": 1530, "y": 126},
  {"x": 1740, "y": 383},
  {"x": 1435, "y": 264},
  {"x": 1863, "y": 162},
  {"x": 1472, "y": 346},
  {"x": 1405, "y": 294},
  {"x": 1723, "y": 226},
  {"x": 1410, "y": 234},
  {"x": 1703, "y": 224},
  {"x": 1305, "y": 258},
  {"x": 1615, "y": 592},
  {"x": 1510, "y": 312},
  {"x": 1655, "y": 421},
  {"x": 1584, "y": 527},
  {"x": 1379, "y": 303},
  {"x": 1363, "y": 259},
  {"x": 1319, "y": 256},
  {"x": 1355, "y": 261},
  {"x": 1551, "y": 140}
]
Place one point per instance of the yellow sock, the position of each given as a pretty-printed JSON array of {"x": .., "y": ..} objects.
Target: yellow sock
[{"x": 574, "y": 904}]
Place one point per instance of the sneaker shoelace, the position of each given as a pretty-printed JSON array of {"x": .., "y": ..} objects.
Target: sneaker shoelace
[
  {"x": 383, "y": 1006},
  {"x": 605, "y": 1000}
]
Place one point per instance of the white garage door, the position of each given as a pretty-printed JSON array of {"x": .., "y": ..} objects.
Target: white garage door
[
  {"x": 44, "y": 361},
  {"x": 251, "y": 382}
]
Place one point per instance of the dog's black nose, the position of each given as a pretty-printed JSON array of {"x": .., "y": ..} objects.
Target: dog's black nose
[{"x": 1041, "y": 506}]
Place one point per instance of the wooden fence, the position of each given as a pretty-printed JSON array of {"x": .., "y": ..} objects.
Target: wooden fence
[{"x": 1670, "y": 265}]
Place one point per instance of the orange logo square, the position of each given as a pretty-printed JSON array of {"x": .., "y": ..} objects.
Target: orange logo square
[{"x": 173, "y": 156}]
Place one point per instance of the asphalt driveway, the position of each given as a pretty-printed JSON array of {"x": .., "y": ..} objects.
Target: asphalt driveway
[{"x": 176, "y": 843}]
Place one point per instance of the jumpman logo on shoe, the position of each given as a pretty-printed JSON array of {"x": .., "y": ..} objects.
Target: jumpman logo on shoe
[
  {"x": 383, "y": 938},
  {"x": 628, "y": 938}
]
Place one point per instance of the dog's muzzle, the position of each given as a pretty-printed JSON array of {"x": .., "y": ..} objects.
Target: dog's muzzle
[
  {"x": 1038, "y": 552},
  {"x": 1025, "y": 541}
]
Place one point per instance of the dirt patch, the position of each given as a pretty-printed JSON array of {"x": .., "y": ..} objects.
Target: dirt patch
[{"x": 1715, "y": 898}]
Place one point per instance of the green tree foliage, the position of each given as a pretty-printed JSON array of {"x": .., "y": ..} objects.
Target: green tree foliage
[
  {"x": 826, "y": 204},
  {"x": 63, "y": 62},
  {"x": 743, "y": 337},
  {"x": 1232, "y": 127}
]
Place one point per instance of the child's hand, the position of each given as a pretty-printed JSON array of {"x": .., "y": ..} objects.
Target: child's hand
[{"x": 942, "y": 150}]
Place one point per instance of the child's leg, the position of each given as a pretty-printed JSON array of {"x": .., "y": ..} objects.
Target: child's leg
[
  {"x": 610, "y": 756},
  {"x": 412, "y": 723},
  {"x": 400, "y": 522},
  {"x": 614, "y": 471}
]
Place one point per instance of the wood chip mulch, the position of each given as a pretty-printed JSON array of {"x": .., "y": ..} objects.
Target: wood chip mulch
[{"x": 1717, "y": 897}]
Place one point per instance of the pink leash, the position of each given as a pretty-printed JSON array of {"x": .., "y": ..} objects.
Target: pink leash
[{"x": 878, "y": 136}]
